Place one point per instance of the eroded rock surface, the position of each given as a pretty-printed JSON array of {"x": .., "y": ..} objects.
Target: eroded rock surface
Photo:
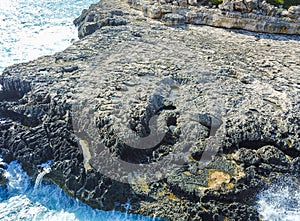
[
  {"x": 252, "y": 15},
  {"x": 230, "y": 94}
]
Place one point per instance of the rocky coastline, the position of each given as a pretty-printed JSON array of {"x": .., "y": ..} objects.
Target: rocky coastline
[
  {"x": 195, "y": 78},
  {"x": 251, "y": 15}
]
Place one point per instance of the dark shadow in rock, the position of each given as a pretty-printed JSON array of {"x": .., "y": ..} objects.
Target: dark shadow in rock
[
  {"x": 259, "y": 35},
  {"x": 249, "y": 144},
  {"x": 255, "y": 144},
  {"x": 24, "y": 120}
]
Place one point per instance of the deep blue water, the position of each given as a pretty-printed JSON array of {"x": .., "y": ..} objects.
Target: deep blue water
[
  {"x": 29, "y": 29},
  {"x": 19, "y": 200},
  {"x": 33, "y": 28}
]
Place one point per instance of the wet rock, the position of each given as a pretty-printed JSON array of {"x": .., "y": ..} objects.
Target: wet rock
[
  {"x": 2, "y": 171},
  {"x": 226, "y": 104},
  {"x": 2, "y": 179}
]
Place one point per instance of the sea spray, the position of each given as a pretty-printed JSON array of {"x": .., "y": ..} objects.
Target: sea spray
[
  {"x": 30, "y": 28},
  {"x": 280, "y": 201},
  {"x": 19, "y": 201},
  {"x": 45, "y": 168},
  {"x": 17, "y": 180},
  {"x": 40, "y": 176}
]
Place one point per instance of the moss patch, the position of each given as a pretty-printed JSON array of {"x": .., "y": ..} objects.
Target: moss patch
[
  {"x": 285, "y": 3},
  {"x": 216, "y": 2}
]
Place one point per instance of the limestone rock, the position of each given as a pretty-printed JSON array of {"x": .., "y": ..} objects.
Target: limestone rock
[
  {"x": 192, "y": 2},
  {"x": 227, "y": 5},
  {"x": 239, "y": 5},
  {"x": 91, "y": 20},
  {"x": 136, "y": 4},
  {"x": 294, "y": 12},
  {"x": 165, "y": 9},
  {"x": 273, "y": 156},
  {"x": 249, "y": 157},
  {"x": 183, "y": 3},
  {"x": 247, "y": 6},
  {"x": 252, "y": 15},
  {"x": 252, "y": 5},
  {"x": 173, "y": 19},
  {"x": 152, "y": 11},
  {"x": 226, "y": 104}
]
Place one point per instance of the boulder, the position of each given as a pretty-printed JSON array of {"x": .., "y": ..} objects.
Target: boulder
[
  {"x": 173, "y": 19},
  {"x": 189, "y": 123},
  {"x": 152, "y": 11},
  {"x": 294, "y": 12}
]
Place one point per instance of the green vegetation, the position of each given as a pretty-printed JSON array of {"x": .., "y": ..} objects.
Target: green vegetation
[
  {"x": 216, "y": 2},
  {"x": 276, "y": 2},
  {"x": 288, "y": 3},
  {"x": 285, "y": 3}
]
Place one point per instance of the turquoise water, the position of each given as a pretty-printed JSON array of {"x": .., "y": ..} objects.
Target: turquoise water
[
  {"x": 20, "y": 201},
  {"x": 29, "y": 29},
  {"x": 32, "y": 28}
]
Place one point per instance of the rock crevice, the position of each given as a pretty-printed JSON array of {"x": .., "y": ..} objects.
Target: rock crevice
[{"x": 226, "y": 102}]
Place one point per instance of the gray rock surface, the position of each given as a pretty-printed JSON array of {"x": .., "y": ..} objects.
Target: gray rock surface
[
  {"x": 2, "y": 171},
  {"x": 252, "y": 15},
  {"x": 227, "y": 104},
  {"x": 294, "y": 12}
]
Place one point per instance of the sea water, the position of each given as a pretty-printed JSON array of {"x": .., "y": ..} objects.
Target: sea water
[
  {"x": 29, "y": 29},
  {"x": 32, "y": 28},
  {"x": 280, "y": 201},
  {"x": 20, "y": 200}
]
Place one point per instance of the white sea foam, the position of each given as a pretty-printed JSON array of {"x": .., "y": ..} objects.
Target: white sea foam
[
  {"x": 40, "y": 177},
  {"x": 280, "y": 202},
  {"x": 30, "y": 28},
  {"x": 20, "y": 201}
]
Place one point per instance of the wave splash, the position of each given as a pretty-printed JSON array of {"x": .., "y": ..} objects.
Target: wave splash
[
  {"x": 20, "y": 201},
  {"x": 281, "y": 201},
  {"x": 30, "y": 28},
  {"x": 40, "y": 177}
]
